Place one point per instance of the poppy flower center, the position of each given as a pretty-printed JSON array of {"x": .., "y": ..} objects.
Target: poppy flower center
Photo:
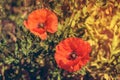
[
  {"x": 72, "y": 56},
  {"x": 41, "y": 25}
]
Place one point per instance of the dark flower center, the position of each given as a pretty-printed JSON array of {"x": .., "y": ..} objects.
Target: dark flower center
[
  {"x": 41, "y": 25},
  {"x": 72, "y": 56}
]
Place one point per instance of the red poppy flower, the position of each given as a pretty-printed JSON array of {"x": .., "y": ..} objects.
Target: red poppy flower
[
  {"x": 72, "y": 53},
  {"x": 42, "y": 21}
]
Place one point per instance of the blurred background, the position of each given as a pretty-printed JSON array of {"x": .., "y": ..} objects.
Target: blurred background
[{"x": 24, "y": 56}]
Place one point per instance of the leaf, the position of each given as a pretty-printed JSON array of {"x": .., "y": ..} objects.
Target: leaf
[
  {"x": 116, "y": 51},
  {"x": 58, "y": 78},
  {"x": 115, "y": 43},
  {"x": 73, "y": 23},
  {"x": 95, "y": 64},
  {"x": 9, "y": 60},
  {"x": 84, "y": 10},
  {"x": 113, "y": 21},
  {"x": 106, "y": 76}
]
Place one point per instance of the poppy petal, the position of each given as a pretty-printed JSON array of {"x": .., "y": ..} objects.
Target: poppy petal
[
  {"x": 64, "y": 50},
  {"x": 38, "y": 17},
  {"x": 39, "y": 32},
  {"x": 51, "y": 23}
]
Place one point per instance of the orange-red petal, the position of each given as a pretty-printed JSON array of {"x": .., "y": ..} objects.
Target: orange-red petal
[
  {"x": 39, "y": 32},
  {"x": 65, "y": 48},
  {"x": 51, "y": 23},
  {"x": 41, "y": 16}
]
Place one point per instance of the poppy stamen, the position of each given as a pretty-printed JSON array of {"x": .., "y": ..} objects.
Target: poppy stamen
[
  {"x": 72, "y": 56},
  {"x": 41, "y": 25}
]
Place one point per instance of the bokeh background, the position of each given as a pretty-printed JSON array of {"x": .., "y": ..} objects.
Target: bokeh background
[{"x": 24, "y": 56}]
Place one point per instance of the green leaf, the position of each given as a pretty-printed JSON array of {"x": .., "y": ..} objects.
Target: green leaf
[
  {"x": 58, "y": 78},
  {"x": 73, "y": 23},
  {"x": 84, "y": 10}
]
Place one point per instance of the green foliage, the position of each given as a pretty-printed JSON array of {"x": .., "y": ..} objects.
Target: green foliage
[{"x": 23, "y": 56}]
